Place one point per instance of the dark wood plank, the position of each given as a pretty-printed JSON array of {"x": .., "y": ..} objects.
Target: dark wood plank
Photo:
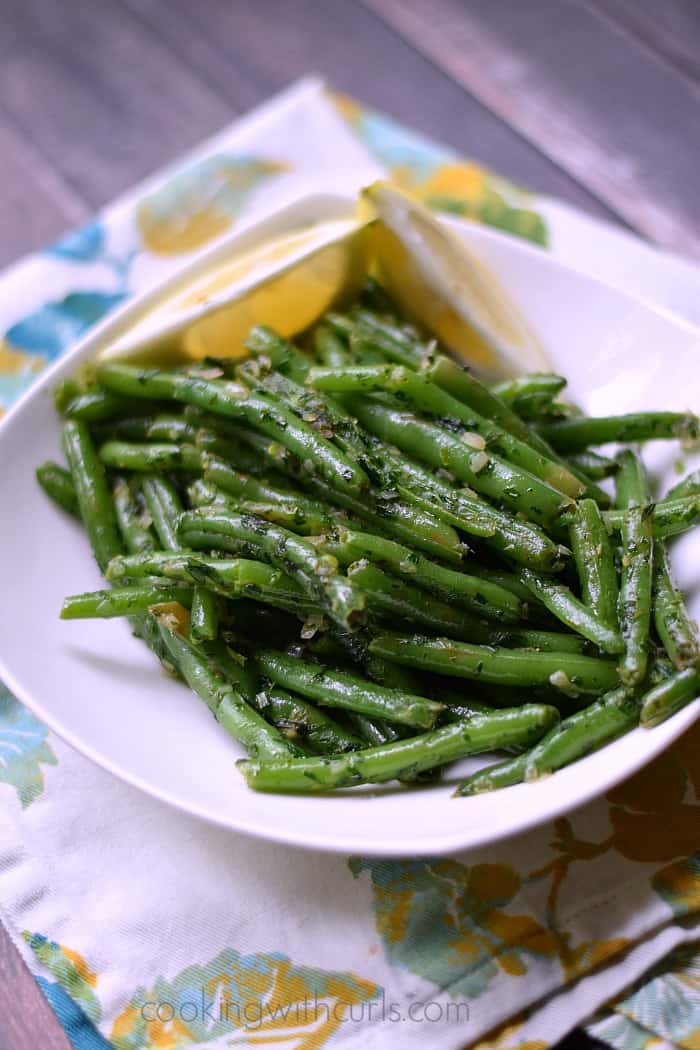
[
  {"x": 36, "y": 204},
  {"x": 588, "y": 95},
  {"x": 103, "y": 100},
  {"x": 26, "y": 1019},
  {"x": 671, "y": 28},
  {"x": 359, "y": 55}
]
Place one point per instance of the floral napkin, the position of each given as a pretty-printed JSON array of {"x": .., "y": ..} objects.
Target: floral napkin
[{"x": 147, "y": 930}]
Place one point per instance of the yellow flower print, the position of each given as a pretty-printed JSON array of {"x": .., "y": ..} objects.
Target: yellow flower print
[
  {"x": 454, "y": 924},
  {"x": 201, "y": 202}
]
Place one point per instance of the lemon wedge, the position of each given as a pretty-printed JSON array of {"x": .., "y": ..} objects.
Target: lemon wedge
[
  {"x": 443, "y": 285},
  {"x": 286, "y": 282}
]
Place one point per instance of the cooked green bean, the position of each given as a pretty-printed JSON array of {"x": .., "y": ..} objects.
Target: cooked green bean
[
  {"x": 473, "y": 592},
  {"x": 668, "y": 517},
  {"x": 394, "y": 599},
  {"x": 499, "y": 775},
  {"x": 636, "y": 567},
  {"x": 482, "y": 732},
  {"x": 519, "y": 540},
  {"x": 341, "y": 689},
  {"x": 204, "y": 615},
  {"x": 262, "y": 412},
  {"x": 577, "y": 433},
  {"x": 583, "y": 732},
  {"x": 165, "y": 509},
  {"x": 593, "y": 556},
  {"x": 669, "y": 696},
  {"x": 689, "y": 486},
  {"x": 317, "y": 572},
  {"x": 92, "y": 492},
  {"x": 123, "y": 601},
  {"x": 57, "y": 483},
  {"x": 306, "y": 724},
  {"x": 429, "y": 398},
  {"x": 593, "y": 465},
  {"x": 134, "y": 525},
  {"x": 128, "y": 455},
  {"x": 566, "y": 607},
  {"x": 486, "y": 473},
  {"x": 238, "y": 718},
  {"x": 569, "y": 672},
  {"x": 671, "y": 619}
]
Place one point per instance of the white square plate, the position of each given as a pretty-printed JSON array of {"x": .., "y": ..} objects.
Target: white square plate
[{"x": 103, "y": 691}]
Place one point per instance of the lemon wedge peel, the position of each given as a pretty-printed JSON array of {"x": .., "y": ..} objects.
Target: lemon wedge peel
[{"x": 442, "y": 284}]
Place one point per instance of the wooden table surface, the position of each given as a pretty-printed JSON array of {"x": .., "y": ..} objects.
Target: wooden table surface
[{"x": 594, "y": 101}]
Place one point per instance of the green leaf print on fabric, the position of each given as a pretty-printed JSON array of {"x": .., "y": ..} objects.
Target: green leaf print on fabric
[{"x": 24, "y": 748}]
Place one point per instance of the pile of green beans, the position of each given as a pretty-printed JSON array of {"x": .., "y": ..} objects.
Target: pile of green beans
[{"x": 369, "y": 564}]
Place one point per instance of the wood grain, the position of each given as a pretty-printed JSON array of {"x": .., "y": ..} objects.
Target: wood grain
[
  {"x": 26, "y": 1019},
  {"x": 359, "y": 55},
  {"x": 36, "y": 203},
  {"x": 103, "y": 100},
  {"x": 670, "y": 29},
  {"x": 588, "y": 95}
]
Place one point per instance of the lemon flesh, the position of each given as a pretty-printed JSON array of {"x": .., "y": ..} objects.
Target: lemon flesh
[{"x": 287, "y": 282}]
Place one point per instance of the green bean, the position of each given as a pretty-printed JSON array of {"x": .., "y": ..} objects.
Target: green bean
[
  {"x": 231, "y": 577},
  {"x": 240, "y": 483},
  {"x": 576, "y": 434},
  {"x": 282, "y": 355},
  {"x": 122, "y": 601},
  {"x": 388, "y": 337},
  {"x": 57, "y": 483},
  {"x": 305, "y": 724},
  {"x": 473, "y": 592},
  {"x": 635, "y": 593},
  {"x": 429, "y": 398},
  {"x": 92, "y": 492},
  {"x": 482, "y": 732},
  {"x": 330, "y": 349},
  {"x": 345, "y": 690},
  {"x": 593, "y": 465},
  {"x": 585, "y": 731},
  {"x": 165, "y": 509},
  {"x": 499, "y": 775},
  {"x": 463, "y": 385},
  {"x": 488, "y": 474},
  {"x": 673, "y": 624},
  {"x": 414, "y": 526},
  {"x": 534, "y": 638},
  {"x": 531, "y": 383},
  {"x": 392, "y": 598},
  {"x": 631, "y": 484},
  {"x": 64, "y": 392},
  {"x": 204, "y": 616},
  {"x": 227, "y": 705},
  {"x": 593, "y": 556},
  {"x": 317, "y": 572},
  {"x": 566, "y": 607},
  {"x": 96, "y": 406},
  {"x": 263, "y": 413},
  {"x": 668, "y": 517},
  {"x": 568, "y": 672},
  {"x": 125, "y": 455},
  {"x": 689, "y": 486},
  {"x": 669, "y": 696},
  {"x": 133, "y": 525},
  {"x": 637, "y": 575},
  {"x": 519, "y": 540}
]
